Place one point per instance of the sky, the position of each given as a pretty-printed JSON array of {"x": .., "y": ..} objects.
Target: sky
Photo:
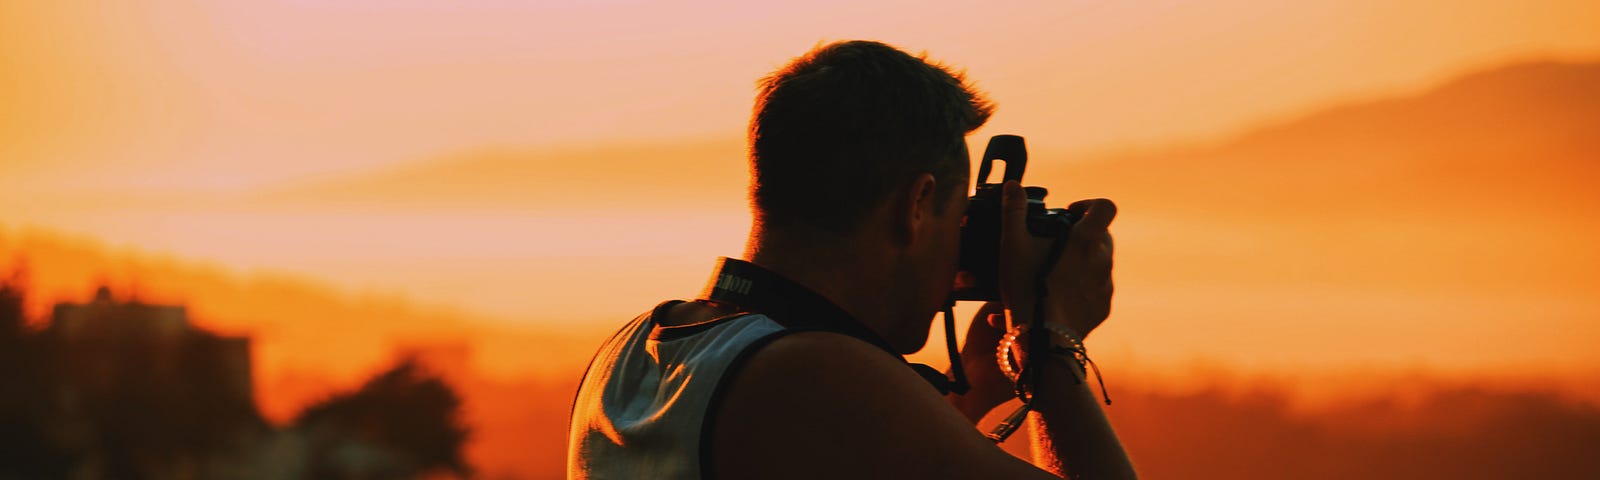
[
  {"x": 222, "y": 95},
  {"x": 238, "y": 133}
]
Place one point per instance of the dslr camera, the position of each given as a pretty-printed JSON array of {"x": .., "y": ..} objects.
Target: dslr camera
[{"x": 978, "y": 277}]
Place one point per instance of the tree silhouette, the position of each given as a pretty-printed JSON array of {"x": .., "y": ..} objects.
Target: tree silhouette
[
  {"x": 402, "y": 423},
  {"x": 28, "y": 449}
]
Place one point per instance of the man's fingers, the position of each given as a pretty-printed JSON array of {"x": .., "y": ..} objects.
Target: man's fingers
[
  {"x": 1081, "y": 206},
  {"x": 1013, "y": 217},
  {"x": 1094, "y": 213},
  {"x": 992, "y": 313},
  {"x": 1091, "y": 238}
]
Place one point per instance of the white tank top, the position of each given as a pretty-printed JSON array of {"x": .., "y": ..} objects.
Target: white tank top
[{"x": 641, "y": 410}]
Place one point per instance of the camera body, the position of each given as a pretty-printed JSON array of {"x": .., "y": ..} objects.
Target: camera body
[{"x": 978, "y": 276}]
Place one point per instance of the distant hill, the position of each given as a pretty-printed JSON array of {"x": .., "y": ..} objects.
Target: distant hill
[
  {"x": 1529, "y": 131},
  {"x": 554, "y": 179},
  {"x": 1492, "y": 179},
  {"x": 1487, "y": 183},
  {"x": 1500, "y": 140}
]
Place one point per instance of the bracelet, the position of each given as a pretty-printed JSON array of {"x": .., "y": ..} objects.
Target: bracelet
[
  {"x": 1073, "y": 350},
  {"x": 1008, "y": 362}
]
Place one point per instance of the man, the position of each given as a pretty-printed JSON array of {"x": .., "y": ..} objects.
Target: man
[{"x": 790, "y": 367}]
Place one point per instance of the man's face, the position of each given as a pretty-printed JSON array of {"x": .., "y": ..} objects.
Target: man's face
[
  {"x": 947, "y": 237},
  {"x": 935, "y": 259}
]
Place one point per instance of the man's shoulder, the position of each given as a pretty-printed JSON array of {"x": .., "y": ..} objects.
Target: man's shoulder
[
  {"x": 816, "y": 403},
  {"x": 819, "y": 350}
]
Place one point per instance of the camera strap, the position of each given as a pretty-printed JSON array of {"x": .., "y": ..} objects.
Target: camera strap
[{"x": 754, "y": 289}]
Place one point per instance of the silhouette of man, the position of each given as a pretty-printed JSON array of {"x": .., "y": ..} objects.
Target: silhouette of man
[{"x": 790, "y": 365}]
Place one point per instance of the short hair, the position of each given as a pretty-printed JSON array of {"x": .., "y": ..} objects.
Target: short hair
[{"x": 837, "y": 129}]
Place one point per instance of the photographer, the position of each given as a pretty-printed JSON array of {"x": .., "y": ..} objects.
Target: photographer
[{"x": 790, "y": 364}]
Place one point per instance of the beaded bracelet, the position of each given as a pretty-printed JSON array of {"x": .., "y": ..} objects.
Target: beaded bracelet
[
  {"x": 1073, "y": 349},
  {"x": 1008, "y": 362}
]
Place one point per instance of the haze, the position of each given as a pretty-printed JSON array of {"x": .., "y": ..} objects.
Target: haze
[{"x": 567, "y": 164}]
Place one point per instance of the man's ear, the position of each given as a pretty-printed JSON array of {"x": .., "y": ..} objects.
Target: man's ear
[{"x": 913, "y": 209}]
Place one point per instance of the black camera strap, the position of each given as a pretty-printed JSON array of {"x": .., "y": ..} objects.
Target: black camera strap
[{"x": 754, "y": 289}]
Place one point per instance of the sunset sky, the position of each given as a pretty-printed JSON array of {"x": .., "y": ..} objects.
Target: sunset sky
[{"x": 347, "y": 143}]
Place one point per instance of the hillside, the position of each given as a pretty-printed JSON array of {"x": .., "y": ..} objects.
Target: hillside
[
  {"x": 1528, "y": 131},
  {"x": 1520, "y": 136},
  {"x": 1429, "y": 221},
  {"x": 540, "y": 180},
  {"x": 1489, "y": 181}
]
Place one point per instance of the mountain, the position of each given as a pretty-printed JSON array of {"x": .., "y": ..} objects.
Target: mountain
[
  {"x": 608, "y": 176},
  {"x": 1483, "y": 183},
  {"x": 1501, "y": 140},
  {"x": 1528, "y": 130},
  {"x": 1488, "y": 183}
]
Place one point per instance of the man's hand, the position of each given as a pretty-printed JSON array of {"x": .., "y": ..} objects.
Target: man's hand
[
  {"x": 1079, "y": 286},
  {"x": 989, "y": 387},
  {"x": 1072, "y": 437}
]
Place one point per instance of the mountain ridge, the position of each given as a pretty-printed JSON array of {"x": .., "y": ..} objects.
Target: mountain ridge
[
  {"x": 1528, "y": 127},
  {"x": 1527, "y": 132}
]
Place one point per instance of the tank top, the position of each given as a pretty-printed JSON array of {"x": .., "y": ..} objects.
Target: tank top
[
  {"x": 641, "y": 409},
  {"x": 645, "y": 407}
]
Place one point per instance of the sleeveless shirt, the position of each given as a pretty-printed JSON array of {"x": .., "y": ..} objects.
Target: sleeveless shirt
[
  {"x": 645, "y": 407},
  {"x": 642, "y": 408}
]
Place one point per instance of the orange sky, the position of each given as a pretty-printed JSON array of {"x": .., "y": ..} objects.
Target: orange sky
[
  {"x": 206, "y": 96},
  {"x": 256, "y": 136}
]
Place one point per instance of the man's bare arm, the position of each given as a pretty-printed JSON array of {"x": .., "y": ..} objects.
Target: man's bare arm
[
  {"x": 1073, "y": 438},
  {"x": 1071, "y": 435},
  {"x": 822, "y": 405}
]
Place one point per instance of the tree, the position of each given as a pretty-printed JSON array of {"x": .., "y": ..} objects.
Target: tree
[
  {"x": 28, "y": 449},
  {"x": 402, "y": 423}
]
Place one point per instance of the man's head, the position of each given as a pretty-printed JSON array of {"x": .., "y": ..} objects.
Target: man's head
[
  {"x": 857, "y": 145},
  {"x": 838, "y": 128}
]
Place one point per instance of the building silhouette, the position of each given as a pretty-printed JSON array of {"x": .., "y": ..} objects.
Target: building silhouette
[
  {"x": 129, "y": 390},
  {"x": 107, "y": 337},
  {"x": 137, "y": 391}
]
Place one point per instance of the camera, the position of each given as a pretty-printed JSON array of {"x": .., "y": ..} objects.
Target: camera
[{"x": 978, "y": 276}]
